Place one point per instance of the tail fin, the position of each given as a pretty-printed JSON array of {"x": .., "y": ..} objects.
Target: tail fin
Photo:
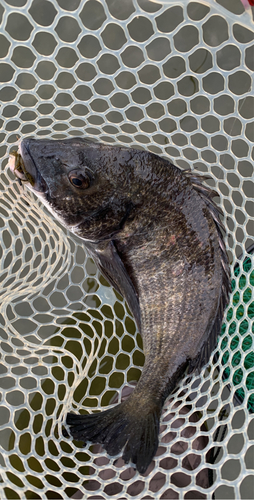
[{"x": 121, "y": 427}]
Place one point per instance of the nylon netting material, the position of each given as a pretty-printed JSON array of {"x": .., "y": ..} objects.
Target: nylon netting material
[{"x": 174, "y": 78}]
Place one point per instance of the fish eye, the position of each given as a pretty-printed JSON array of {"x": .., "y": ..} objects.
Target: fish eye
[{"x": 79, "y": 179}]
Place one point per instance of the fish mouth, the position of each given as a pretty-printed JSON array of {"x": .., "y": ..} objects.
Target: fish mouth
[{"x": 22, "y": 165}]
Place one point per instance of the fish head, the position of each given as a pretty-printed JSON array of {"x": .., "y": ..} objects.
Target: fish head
[{"x": 86, "y": 185}]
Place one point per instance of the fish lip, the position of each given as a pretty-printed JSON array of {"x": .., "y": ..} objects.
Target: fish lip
[{"x": 39, "y": 185}]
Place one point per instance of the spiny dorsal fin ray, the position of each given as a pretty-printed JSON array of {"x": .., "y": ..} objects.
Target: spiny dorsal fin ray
[{"x": 207, "y": 194}]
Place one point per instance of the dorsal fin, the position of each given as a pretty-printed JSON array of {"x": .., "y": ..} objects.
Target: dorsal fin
[{"x": 207, "y": 194}]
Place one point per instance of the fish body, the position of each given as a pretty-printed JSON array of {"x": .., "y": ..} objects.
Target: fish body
[{"x": 154, "y": 232}]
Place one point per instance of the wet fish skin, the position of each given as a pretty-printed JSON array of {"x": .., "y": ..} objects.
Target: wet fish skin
[{"x": 155, "y": 234}]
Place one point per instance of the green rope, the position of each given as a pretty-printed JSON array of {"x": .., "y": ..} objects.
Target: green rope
[{"x": 240, "y": 338}]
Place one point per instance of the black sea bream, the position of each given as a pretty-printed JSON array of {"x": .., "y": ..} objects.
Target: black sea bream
[{"x": 154, "y": 232}]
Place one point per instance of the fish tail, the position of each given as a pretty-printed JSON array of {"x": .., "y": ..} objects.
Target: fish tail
[{"x": 132, "y": 428}]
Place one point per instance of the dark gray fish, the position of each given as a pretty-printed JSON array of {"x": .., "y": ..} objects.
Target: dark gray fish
[{"x": 155, "y": 234}]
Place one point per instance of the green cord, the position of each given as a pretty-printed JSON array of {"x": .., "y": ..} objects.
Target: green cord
[{"x": 237, "y": 334}]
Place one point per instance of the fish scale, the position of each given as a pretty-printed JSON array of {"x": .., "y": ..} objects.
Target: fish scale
[{"x": 155, "y": 234}]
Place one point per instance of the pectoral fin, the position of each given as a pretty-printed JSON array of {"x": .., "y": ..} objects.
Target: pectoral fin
[{"x": 106, "y": 258}]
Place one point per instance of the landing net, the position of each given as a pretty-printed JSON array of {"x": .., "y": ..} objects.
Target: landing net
[{"x": 173, "y": 78}]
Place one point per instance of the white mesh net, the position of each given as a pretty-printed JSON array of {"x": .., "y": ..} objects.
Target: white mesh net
[{"x": 175, "y": 78}]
